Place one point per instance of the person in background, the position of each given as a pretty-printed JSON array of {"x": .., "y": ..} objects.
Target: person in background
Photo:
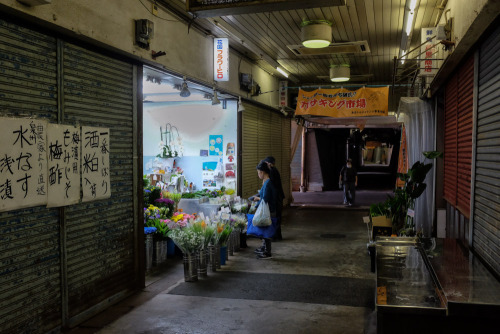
[
  {"x": 349, "y": 179},
  {"x": 268, "y": 194},
  {"x": 276, "y": 180}
]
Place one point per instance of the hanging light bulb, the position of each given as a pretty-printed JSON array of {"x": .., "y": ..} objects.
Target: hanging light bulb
[
  {"x": 184, "y": 89},
  {"x": 240, "y": 105},
  {"x": 215, "y": 100}
]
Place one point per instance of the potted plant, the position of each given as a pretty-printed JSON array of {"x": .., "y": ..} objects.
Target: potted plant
[{"x": 403, "y": 201}]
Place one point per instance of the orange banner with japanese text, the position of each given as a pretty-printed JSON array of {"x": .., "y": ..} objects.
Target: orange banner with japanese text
[
  {"x": 344, "y": 103},
  {"x": 402, "y": 158}
]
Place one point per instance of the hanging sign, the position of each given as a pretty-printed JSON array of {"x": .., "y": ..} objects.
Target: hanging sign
[
  {"x": 221, "y": 59},
  {"x": 63, "y": 142},
  {"x": 95, "y": 163},
  {"x": 344, "y": 103},
  {"x": 23, "y": 163},
  {"x": 428, "y": 52},
  {"x": 283, "y": 89}
]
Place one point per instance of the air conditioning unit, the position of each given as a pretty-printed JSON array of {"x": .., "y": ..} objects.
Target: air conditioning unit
[{"x": 333, "y": 48}]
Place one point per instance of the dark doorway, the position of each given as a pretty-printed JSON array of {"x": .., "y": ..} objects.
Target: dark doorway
[{"x": 332, "y": 155}]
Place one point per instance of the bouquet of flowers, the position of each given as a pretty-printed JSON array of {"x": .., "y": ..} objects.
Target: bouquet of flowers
[
  {"x": 188, "y": 239},
  {"x": 204, "y": 229},
  {"x": 151, "y": 193},
  {"x": 239, "y": 221},
  {"x": 176, "y": 197},
  {"x": 167, "y": 205},
  {"x": 156, "y": 217},
  {"x": 224, "y": 236},
  {"x": 149, "y": 230}
]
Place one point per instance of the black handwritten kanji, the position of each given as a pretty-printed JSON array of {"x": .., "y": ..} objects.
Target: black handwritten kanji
[
  {"x": 26, "y": 166},
  {"x": 92, "y": 186},
  {"x": 104, "y": 147},
  {"x": 6, "y": 163},
  {"x": 55, "y": 175},
  {"x": 6, "y": 190},
  {"x": 55, "y": 151},
  {"x": 20, "y": 136},
  {"x": 24, "y": 186},
  {"x": 90, "y": 164},
  {"x": 74, "y": 152},
  {"x": 76, "y": 138},
  {"x": 40, "y": 190},
  {"x": 92, "y": 139}
]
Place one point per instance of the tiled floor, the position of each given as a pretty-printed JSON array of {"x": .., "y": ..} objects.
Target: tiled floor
[{"x": 316, "y": 283}]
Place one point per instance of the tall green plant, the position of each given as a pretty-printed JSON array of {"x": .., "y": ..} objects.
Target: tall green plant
[{"x": 414, "y": 187}]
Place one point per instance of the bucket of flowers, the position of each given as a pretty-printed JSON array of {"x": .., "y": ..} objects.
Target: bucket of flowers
[
  {"x": 157, "y": 217},
  {"x": 190, "y": 241},
  {"x": 207, "y": 231}
]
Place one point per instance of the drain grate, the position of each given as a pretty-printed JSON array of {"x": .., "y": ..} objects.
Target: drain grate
[{"x": 333, "y": 236}]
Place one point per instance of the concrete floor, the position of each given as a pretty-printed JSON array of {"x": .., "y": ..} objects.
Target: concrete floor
[{"x": 225, "y": 309}]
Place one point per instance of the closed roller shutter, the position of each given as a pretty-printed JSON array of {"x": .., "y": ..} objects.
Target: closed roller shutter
[
  {"x": 98, "y": 91},
  {"x": 464, "y": 136},
  {"x": 486, "y": 237},
  {"x": 458, "y": 137},
  {"x": 286, "y": 132},
  {"x": 30, "y": 286},
  {"x": 264, "y": 133}
]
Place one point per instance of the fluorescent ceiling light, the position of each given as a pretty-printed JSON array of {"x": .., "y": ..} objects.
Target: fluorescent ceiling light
[
  {"x": 282, "y": 72},
  {"x": 409, "y": 22},
  {"x": 403, "y": 57}
]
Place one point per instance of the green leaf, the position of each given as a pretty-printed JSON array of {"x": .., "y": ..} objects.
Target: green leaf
[
  {"x": 433, "y": 154},
  {"x": 418, "y": 191}
]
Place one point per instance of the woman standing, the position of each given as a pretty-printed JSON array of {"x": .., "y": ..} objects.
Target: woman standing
[{"x": 267, "y": 194}]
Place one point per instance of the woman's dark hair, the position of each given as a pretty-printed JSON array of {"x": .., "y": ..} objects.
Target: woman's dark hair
[{"x": 263, "y": 167}]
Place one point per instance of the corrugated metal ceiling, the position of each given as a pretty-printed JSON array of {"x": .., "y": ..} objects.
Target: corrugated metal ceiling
[{"x": 379, "y": 22}]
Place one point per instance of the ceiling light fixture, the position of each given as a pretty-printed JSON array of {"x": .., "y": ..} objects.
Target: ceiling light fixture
[
  {"x": 184, "y": 89},
  {"x": 240, "y": 105},
  {"x": 316, "y": 33},
  {"x": 340, "y": 73},
  {"x": 282, "y": 72},
  {"x": 215, "y": 99}
]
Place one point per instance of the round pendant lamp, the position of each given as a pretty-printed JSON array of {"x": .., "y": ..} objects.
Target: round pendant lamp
[
  {"x": 316, "y": 34},
  {"x": 340, "y": 73}
]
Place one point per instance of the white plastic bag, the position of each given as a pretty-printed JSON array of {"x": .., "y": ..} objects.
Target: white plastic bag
[{"x": 262, "y": 216}]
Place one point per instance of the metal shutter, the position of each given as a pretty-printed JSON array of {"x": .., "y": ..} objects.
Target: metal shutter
[
  {"x": 464, "y": 135},
  {"x": 285, "y": 170},
  {"x": 450, "y": 142},
  {"x": 458, "y": 137},
  {"x": 250, "y": 151},
  {"x": 263, "y": 134},
  {"x": 99, "y": 91},
  {"x": 486, "y": 239},
  {"x": 30, "y": 287}
]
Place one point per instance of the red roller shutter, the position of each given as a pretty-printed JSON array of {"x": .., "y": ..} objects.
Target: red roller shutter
[
  {"x": 450, "y": 142},
  {"x": 464, "y": 145},
  {"x": 458, "y": 137}
]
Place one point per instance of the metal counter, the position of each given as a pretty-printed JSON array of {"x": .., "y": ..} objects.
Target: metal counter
[
  {"x": 468, "y": 286},
  {"x": 405, "y": 282}
]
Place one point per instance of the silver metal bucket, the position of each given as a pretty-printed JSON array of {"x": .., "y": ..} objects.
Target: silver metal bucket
[
  {"x": 202, "y": 263},
  {"x": 212, "y": 254},
  {"x": 190, "y": 267},
  {"x": 148, "y": 243}
]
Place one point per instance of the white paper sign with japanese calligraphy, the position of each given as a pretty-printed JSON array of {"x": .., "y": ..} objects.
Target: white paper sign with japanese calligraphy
[
  {"x": 95, "y": 163},
  {"x": 23, "y": 163},
  {"x": 63, "y": 155}
]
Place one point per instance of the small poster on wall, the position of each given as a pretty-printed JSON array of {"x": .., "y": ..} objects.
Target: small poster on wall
[
  {"x": 95, "y": 163},
  {"x": 23, "y": 163},
  {"x": 63, "y": 164},
  {"x": 215, "y": 146}
]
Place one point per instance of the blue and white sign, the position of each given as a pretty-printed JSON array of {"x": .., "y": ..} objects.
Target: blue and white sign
[{"x": 221, "y": 59}]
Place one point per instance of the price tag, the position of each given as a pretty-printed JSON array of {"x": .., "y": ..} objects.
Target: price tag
[
  {"x": 225, "y": 215},
  {"x": 411, "y": 213},
  {"x": 202, "y": 216}
]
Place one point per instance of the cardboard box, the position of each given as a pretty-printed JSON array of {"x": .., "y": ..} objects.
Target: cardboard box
[{"x": 381, "y": 225}]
